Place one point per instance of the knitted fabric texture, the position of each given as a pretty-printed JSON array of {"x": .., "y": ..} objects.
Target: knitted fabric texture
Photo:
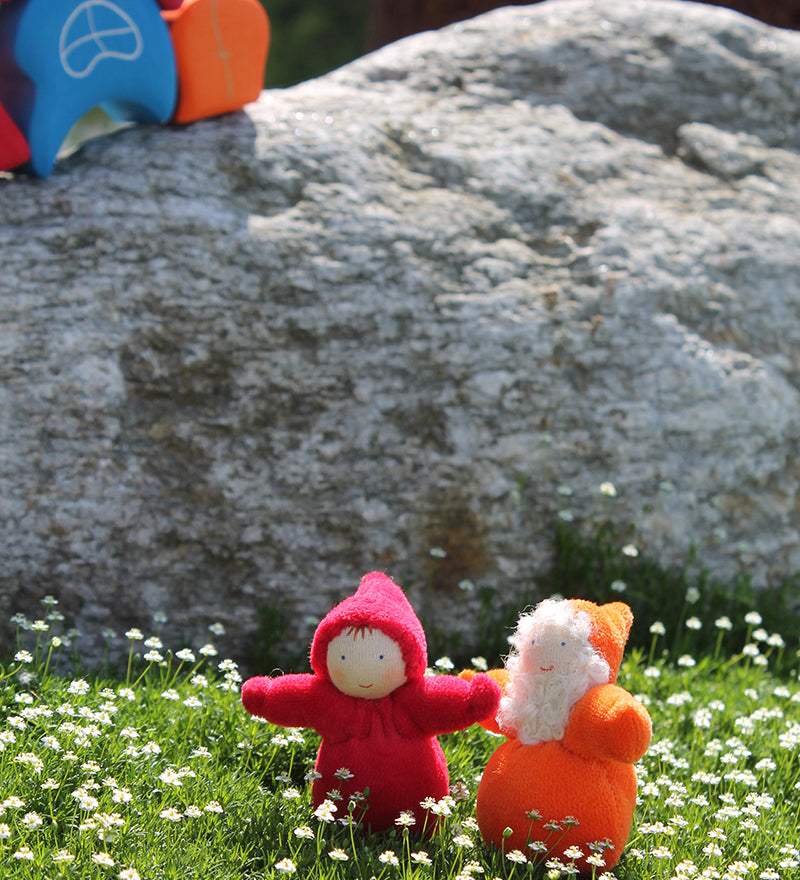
[
  {"x": 610, "y": 626},
  {"x": 388, "y": 745},
  {"x": 587, "y": 773},
  {"x": 379, "y": 604}
]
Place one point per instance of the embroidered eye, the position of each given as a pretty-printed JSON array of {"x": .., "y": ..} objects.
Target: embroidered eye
[
  {"x": 381, "y": 657},
  {"x": 563, "y": 644},
  {"x": 533, "y": 641},
  {"x": 342, "y": 656}
]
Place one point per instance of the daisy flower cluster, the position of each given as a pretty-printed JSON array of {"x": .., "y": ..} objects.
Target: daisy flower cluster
[
  {"x": 719, "y": 789},
  {"x": 161, "y": 774},
  {"x": 102, "y": 775}
]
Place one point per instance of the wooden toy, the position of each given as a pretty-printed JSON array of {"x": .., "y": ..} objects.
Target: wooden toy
[
  {"x": 61, "y": 58},
  {"x": 14, "y": 149},
  {"x": 221, "y": 52}
]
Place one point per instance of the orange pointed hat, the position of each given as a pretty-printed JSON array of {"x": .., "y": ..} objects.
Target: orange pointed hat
[{"x": 610, "y": 625}]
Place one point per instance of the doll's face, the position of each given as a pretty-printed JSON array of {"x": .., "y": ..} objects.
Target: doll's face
[
  {"x": 553, "y": 649},
  {"x": 366, "y": 663}
]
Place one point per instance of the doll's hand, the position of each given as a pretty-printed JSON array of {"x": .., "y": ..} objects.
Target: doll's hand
[
  {"x": 484, "y": 697},
  {"x": 498, "y": 675},
  {"x": 609, "y": 724},
  {"x": 299, "y": 700},
  {"x": 254, "y": 692}
]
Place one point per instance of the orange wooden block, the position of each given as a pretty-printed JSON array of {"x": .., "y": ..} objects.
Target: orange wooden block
[{"x": 221, "y": 52}]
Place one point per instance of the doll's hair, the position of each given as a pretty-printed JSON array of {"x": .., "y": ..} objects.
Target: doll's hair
[
  {"x": 536, "y": 707},
  {"x": 360, "y": 629}
]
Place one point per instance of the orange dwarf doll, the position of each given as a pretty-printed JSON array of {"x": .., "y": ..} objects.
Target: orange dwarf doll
[{"x": 573, "y": 737}]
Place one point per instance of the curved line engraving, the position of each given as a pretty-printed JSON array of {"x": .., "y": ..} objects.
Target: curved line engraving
[{"x": 93, "y": 35}]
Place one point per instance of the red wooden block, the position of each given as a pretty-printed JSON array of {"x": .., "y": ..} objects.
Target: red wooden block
[{"x": 14, "y": 149}]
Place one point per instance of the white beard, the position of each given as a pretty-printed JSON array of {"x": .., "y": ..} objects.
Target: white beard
[{"x": 537, "y": 707}]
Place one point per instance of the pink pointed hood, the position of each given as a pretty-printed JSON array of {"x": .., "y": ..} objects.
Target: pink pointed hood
[{"x": 379, "y": 604}]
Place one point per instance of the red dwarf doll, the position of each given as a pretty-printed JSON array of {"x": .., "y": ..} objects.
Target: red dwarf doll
[{"x": 376, "y": 710}]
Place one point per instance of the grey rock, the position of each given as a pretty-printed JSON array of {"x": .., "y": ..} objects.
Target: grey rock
[{"x": 430, "y": 301}]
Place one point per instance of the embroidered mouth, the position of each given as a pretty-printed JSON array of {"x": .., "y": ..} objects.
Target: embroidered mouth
[
  {"x": 365, "y": 686},
  {"x": 547, "y": 668}
]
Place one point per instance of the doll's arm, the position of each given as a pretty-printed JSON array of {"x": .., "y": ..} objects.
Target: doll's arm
[
  {"x": 610, "y": 724},
  {"x": 500, "y": 676},
  {"x": 289, "y": 700},
  {"x": 445, "y": 703}
]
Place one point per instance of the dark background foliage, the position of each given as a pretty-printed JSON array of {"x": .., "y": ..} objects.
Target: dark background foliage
[{"x": 312, "y": 37}]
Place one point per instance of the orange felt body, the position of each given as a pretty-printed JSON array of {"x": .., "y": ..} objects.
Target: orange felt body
[
  {"x": 588, "y": 774},
  {"x": 557, "y": 783},
  {"x": 221, "y": 51}
]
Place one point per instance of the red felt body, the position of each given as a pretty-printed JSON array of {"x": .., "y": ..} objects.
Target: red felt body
[{"x": 389, "y": 745}]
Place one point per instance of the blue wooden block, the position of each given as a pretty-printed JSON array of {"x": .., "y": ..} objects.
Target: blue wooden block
[{"x": 61, "y": 58}]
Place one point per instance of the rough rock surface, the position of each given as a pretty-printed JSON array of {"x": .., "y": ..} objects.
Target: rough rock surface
[{"x": 401, "y": 308}]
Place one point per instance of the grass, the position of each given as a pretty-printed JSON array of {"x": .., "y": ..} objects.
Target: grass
[{"x": 160, "y": 773}]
